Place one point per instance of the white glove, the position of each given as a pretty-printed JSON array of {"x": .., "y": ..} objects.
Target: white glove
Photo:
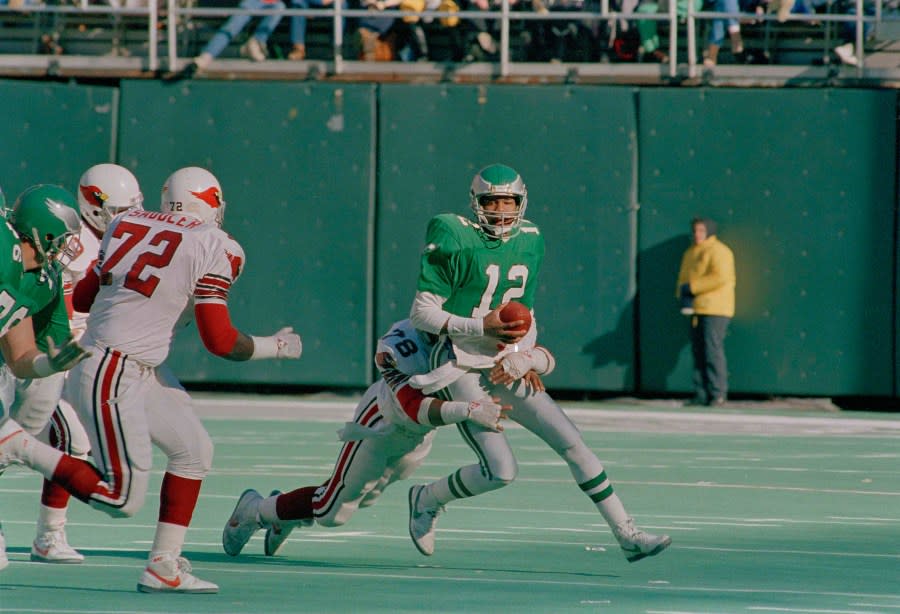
[
  {"x": 283, "y": 344},
  {"x": 483, "y": 412},
  {"x": 60, "y": 358},
  {"x": 66, "y": 356},
  {"x": 517, "y": 364},
  {"x": 486, "y": 413}
]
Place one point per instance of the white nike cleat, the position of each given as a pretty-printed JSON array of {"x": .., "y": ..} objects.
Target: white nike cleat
[
  {"x": 52, "y": 547},
  {"x": 167, "y": 573},
  {"x": 4, "y": 561},
  {"x": 422, "y": 521},
  {"x": 244, "y": 522},
  {"x": 638, "y": 544}
]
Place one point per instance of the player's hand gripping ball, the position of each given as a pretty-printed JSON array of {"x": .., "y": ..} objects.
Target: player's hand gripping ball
[{"x": 516, "y": 311}]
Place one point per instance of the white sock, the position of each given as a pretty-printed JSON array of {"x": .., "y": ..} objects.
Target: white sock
[
  {"x": 39, "y": 456},
  {"x": 51, "y": 519},
  {"x": 169, "y": 538},
  {"x": 266, "y": 513},
  {"x": 613, "y": 510}
]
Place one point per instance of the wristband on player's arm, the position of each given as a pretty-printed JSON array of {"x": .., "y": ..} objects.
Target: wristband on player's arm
[
  {"x": 467, "y": 327},
  {"x": 451, "y": 412}
]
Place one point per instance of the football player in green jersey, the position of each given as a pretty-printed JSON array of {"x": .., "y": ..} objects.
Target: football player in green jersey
[
  {"x": 470, "y": 269},
  {"x": 35, "y": 233}
]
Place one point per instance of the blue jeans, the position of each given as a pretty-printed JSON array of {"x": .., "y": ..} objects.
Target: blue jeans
[
  {"x": 710, "y": 365},
  {"x": 298, "y": 23},
  {"x": 717, "y": 28},
  {"x": 236, "y": 23}
]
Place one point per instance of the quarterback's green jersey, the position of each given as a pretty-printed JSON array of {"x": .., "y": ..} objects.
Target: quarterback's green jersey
[{"x": 475, "y": 272}]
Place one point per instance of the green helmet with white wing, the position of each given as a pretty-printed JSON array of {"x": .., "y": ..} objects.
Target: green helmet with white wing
[
  {"x": 493, "y": 181},
  {"x": 47, "y": 217}
]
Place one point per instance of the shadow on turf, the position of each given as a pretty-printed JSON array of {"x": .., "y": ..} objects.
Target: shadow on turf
[
  {"x": 301, "y": 563},
  {"x": 218, "y": 557}
]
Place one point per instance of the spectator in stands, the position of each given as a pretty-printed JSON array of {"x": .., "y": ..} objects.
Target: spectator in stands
[
  {"x": 256, "y": 47},
  {"x": 705, "y": 290},
  {"x": 486, "y": 32},
  {"x": 298, "y": 25},
  {"x": 846, "y": 51},
  {"x": 649, "y": 47},
  {"x": 717, "y": 30},
  {"x": 384, "y": 37}
]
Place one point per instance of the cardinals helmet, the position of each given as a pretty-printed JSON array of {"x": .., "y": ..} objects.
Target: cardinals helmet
[
  {"x": 196, "y": 192},
  {"x": 104, "y": 191}
]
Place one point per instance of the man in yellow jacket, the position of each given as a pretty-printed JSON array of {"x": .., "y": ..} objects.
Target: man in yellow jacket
[{"x": 705, "y": 288}]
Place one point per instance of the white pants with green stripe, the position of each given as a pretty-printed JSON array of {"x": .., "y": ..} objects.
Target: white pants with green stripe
[{"x": 497, "y": 465}]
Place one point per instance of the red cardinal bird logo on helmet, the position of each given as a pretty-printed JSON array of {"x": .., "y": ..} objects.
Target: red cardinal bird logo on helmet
[
  {"x": 93, "y": 195},
  {"x": 211, "y": 196}
]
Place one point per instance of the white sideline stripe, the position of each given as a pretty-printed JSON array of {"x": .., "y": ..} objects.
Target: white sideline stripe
[{"x": 339, "y": 411}]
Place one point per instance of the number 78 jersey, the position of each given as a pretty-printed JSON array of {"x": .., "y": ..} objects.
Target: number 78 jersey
[
  {"x": 476, "y": 273},
  {"x": 151, "y": 266}
]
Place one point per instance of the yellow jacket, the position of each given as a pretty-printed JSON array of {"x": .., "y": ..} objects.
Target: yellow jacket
[{"x": 709, "y": 269}]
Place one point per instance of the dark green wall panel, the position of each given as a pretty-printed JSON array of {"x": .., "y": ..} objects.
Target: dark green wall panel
[
  {"x": 801, "y": 185},
  {"x": 295, "y": 163},
  {"x": 51, "y": 132},
  {"x": 331, "y": 210},
  {"x": 573, "y": 146}
]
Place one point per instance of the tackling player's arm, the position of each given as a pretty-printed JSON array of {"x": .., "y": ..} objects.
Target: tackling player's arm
[
  {"x": 431, "y": 411},
  {"x": 222, "y": 339},
  {"x": 26, "y": 361},
  {"x": 214, "y": 320}
]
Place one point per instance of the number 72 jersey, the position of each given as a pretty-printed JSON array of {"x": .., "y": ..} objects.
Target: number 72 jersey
[{"x": 151, "y": 266}]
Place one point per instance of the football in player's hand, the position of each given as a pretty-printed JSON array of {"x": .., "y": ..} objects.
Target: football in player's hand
[{"x": 516, "y": 311}]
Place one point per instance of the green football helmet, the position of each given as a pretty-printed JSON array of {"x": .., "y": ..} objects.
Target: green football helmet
[
  {"x": 498, "y": 180},
  {"x": 47, "y": 217}
]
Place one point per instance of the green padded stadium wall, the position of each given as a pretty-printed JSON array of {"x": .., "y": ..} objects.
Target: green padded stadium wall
[
  {"x": 801, "y": 183},
  {"x": 295, "y": 161},
  {"x": 329, "y": 187},
  {"x": 49, "y": 130},
  {"x": 573, "y": 146}
]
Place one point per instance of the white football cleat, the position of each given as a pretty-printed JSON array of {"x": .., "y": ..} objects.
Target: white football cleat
[
  {"x": 422, "y": 521},
  {"x": 638, "y": 544},
  {"x": 52, "y": 547},
  {"x": 166, "y": 573},
  {"x": 277, "y": 534},
  {"x": 244, "y": 522},
  {"x": 4, "y": 561}
]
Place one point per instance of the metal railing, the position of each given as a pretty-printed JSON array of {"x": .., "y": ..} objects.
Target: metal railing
[{"x": 176, "y": 14}]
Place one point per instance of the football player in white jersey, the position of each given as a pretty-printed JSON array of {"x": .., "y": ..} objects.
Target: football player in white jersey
[
  {"x": 470, "y": 269},
  {"x": 389, "y": 437},
  {"x": 104, "y": 191},
  {"x": 152, "y": 265}
]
